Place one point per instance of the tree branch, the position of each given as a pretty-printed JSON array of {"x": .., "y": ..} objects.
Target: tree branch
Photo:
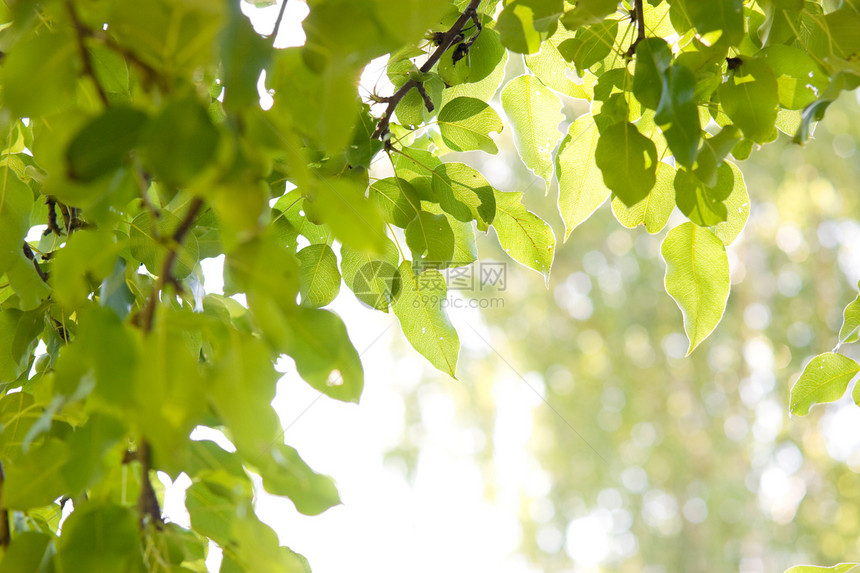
[
  {"x": 5, "y": 533},
  {"x": 444, "y": 44},
  {"x": 147, "y": 503},
  {"x": 638, "y": 15},
  {"x": 28, "y": 252},
  {"x": 166, "y": 275},
  {"x": 278, "y": 21},
  {"x": 82, "y": 32}
]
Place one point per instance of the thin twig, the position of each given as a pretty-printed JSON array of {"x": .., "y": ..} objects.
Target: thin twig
[
  {"x": 166, "y": 275},
  {"x": 147, "y": 503},
  {"x": 5, "y": 533},
  {"x": 443, "y": 45},
  {"x": 82, "y": 32},
  {"x": 28, "y": 252},
  {"x": 639, "y": 16},
  {"x": 278, "y": 21},
  {"x": 428, "y": 103},
  {"x": 53, "y": 227}
]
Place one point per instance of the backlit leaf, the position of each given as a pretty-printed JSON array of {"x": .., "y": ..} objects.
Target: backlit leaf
[{"x": 824, "y": 379}]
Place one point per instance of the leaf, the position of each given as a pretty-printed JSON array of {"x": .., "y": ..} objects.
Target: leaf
[
  {"x": 704, "y": 205},
  {"x": 258, "y": 548},
  {"x": 325, "y": 358},
  {"x": 99, "y": 538},
  {"x": 319, "y": 278},
  {"x": 653, "y": 58},
  {"x": 87, "y": 258},
  {"x": 534, "y": 112},
  {"x": 840, "y": 568},
  {"x": 713, "y": 152},
  {"x": 464, "y": 193},
  {"x": 580, "y": 183},
  {"x": 341, "y": 205},
  {"x": 588, "y": 12},
  {"x": 655, "y": 210},
  {"x": 850, "y": 331},
  {"x": 719, "y": 22},
  {"x": 550, "y": 67},
  {"x": 396, "y": 199},
  {"x": 799, "y": 78},
  {"x": 677, "y": 115},
  {"x": 103, "y": 144},
  {"x": 420, "y": 309},
  {"x": 524, "y": 24},
  {"x": 287, "y": 474},
  {"x": 179, "y": 142},
  {"x": 524, "y": 236},
  {"x": 628, "y": 161},
  {"x": 697, "y": 277},
  {"x": 750, "y": 99},
  {"x": 244, "y": 54},
  {"x": 146, "y": 246},
  {"x": 590, "y": 45},
  {"x": 824, "y": 379},
  {"x": 431, "y": 240},
  {"x": 375, "y": 280},
  {"x": 465, "y": 124},
  {"x": 737, "y": 208},
  {"x": 18, "y": 333},
  {"x": 36, "y": 480},
  {"x": 26, "y": 552}
]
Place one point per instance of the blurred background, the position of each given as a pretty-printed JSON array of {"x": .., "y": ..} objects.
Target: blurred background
[{"x": 578, "y": 438}]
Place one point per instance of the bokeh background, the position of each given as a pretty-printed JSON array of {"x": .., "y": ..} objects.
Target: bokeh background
[{"x": 578, "y": 437}]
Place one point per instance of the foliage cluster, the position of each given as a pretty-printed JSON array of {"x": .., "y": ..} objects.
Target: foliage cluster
[{"x": 134, "y": 137}]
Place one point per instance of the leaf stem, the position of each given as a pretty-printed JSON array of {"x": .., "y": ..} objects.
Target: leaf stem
[
  {"x": 444, "y": 44},
  {"x": 82, "y": 32},
  {"x": 280, "y": 17},
  {"x": 639, "y": 15}
]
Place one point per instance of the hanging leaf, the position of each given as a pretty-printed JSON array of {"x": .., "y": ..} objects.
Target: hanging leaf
[
  {"x": 628, "y": 161},
  {"x": 465, "y": 124},
  {"x": 523, "y": 235},
  {"x": 580, "y": 183},
  {"x": 824, "y": 379},
  {"x": 319, "y": 278},
  {"x": 697, "y": 277},
  {"x": 534, "y": 112}
]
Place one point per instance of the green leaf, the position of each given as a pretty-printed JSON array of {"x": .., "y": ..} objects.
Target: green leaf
[
  {"x": 420, "y": 309},
  {"x": 524, "y": 24},
  {"x": 750, "y": 98},
  {"x": 840, "y": 568},
  {"x": 465, "y": 247},
  {"x": 782, "y": 21},
  {"x": 588, "y": 12},
  {"x": 258, "y": 548},
  {"x": 87, "y": 258},
  {"x": 697, "y": 277},
  {"x": 18, "y": 332},
  {"x": 114, "y": 292},
  {"x": 590, "y": 44},
  {"x": 265, "y": 271},
  {"x": 850, "y": 331},
  {"x": 325, "y": 358},
  {"x": 104, "y": 143},
  {"x": 212, "y": 509},
  {"x": 179, "y": 142},
  {"x": 799, "y": 78},
  {"x": 704, "y": 205},
  {"x": 87, "y": 448},
  {"x": 26, "y": 553},
  {"x": 655, "y": 210},
  {"x": 375, "y": 280},
  {"x": 146, "y": 245},
  {"x": 431, "y": 240},
  {"x": 534, "y": 112},
  {"x": 396, "y": 199},
  {"x": 464, "y": 193},
  {"x": 291, "y": 206},
  {"x": 36, "y": 480},
  {"x": 482, "y": 59},
  {"x": 465, "y": 124},
  {"x": 99, "y": 538},
  {"x": 550, "y": 67},
  {"x": 524, "y": 236},
  {"x": 719, "y": 22},
  {"x": 653, "y": 58},
  {"x": 737, "y": 208},
  {"x": 40, "y": 74},
  {"x": 287, "y": 474},
  {"x": 714, "y": 150},
  {"x": 319, "y": 278},
  {"x": 824, "y": 379},
  {"x": 677, "y": 115},
  {"x": 110, "y": 68},
  {"x": 244, "y": 55},
  {"x": 342, "y": 206},
  {"x": 628, "y": 161},
  {"x": 580, "y": 184}
]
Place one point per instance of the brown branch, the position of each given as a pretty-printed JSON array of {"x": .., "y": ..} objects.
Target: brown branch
[
  {"x": 53, "y": 227},
  {"x": 278, "y": 21},
  {"x": 166, "y": 276},
  {"x": 428, "y": 103},
  {"x": 638, "y": 15},
  {"x": 147, "y": 503},
  {"x": 5, "y": 533},
  {"x": 82, "y": 32},
  {"x": 443, "y": 44},
  {"x": 28, "y": 252}
]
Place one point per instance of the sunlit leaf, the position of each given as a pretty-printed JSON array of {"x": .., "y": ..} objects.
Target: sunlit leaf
[{"x": 824, "y": 379}]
